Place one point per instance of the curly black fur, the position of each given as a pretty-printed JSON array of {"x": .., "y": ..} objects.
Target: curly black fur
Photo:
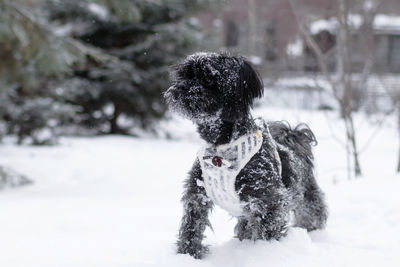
[
  {"x": 195, "y": 218},
  {"x": 216, "y": 91},
  {"x": 299, "y": 139},
  {"x": 208, "y": 82}
]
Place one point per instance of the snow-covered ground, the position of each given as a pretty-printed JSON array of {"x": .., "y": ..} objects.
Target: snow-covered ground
[{"x": 114, "y": 201}]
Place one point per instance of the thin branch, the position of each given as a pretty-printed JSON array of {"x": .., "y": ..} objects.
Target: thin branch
[
  {"x": 376, "y": 131},
  {"x": 321, "y": 59},
  {"x": 333, "y": 134}
]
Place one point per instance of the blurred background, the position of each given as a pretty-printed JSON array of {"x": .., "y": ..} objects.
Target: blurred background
[
  {"x": 99, "y": 67},
  {"x": 82, "y": 114}
]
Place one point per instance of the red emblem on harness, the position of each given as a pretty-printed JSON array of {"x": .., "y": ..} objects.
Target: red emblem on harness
[{"x": 217, "y": 161}]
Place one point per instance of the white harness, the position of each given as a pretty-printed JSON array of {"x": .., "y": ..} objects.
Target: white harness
[{"x": 220, "y": 166}]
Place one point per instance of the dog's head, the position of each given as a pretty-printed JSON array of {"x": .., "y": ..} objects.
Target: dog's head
[{"x": 209, "y": 84}]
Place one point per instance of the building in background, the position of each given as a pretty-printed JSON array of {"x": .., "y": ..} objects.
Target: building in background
[
  {"x": 259, "y": 29},
  {"x": 385, "y": 47},
  {"x": 267, "y": 32}
]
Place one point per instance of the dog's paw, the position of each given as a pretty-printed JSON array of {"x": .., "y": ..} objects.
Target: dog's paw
[
  {"x": 197, "y": 251},
  {"x": 255, "y": 228}
]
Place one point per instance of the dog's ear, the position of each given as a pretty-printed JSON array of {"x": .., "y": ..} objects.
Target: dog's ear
[
  {"x": 248, "y": 87},
  {"x": 250, "y": 84}
]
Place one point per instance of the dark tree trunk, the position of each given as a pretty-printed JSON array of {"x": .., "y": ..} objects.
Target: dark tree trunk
[
  {"x": 398, "y": 163},
  {"x": 351, "y": 135},
  {"x": 357, "y": 166},
  {"x": 21, "y": 135},
  {"x": 114, "y": 128},
  {"x": 398, "y": 129}
]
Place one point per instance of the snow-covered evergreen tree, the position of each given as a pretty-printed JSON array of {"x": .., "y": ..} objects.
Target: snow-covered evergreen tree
[
  {"x": 31, "y": 56},
  {"x": 144, "y": 37},
  {"x": 99, "y": 63}
]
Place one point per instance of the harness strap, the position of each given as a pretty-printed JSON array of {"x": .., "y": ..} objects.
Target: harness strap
[{"x": 221, "y": 164}]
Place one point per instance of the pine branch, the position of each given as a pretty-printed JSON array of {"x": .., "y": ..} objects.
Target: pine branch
[{"x": 30, "y": 49}]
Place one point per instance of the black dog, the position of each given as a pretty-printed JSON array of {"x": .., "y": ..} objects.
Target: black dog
[{"x": 262, "y": 173}]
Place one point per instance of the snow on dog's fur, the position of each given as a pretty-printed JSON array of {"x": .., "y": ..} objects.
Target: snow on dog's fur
[{"x": 216, "y": 91}]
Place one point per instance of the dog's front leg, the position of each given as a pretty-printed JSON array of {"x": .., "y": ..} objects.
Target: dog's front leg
[
  {"x": 263, "y": 219},
  {"x": 196, "y": 207}
]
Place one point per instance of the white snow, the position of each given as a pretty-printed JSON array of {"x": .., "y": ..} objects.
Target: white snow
[
  {"x": 312, "y": 92},
  {"x": 382, "y": 22},
  {"x": 255, "y": 60},
  {"x": 387, "y": 22},
  {"x": 295, "y": 48},
  {"x": 98, "y": 10},
  {"x": 354, "y": 20},
  {"x": 194, "y": 21},
  {"x": 323, "y": 25},
  {"x": 63, "y": 30},
  {"x": 114, "y": 201}
]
